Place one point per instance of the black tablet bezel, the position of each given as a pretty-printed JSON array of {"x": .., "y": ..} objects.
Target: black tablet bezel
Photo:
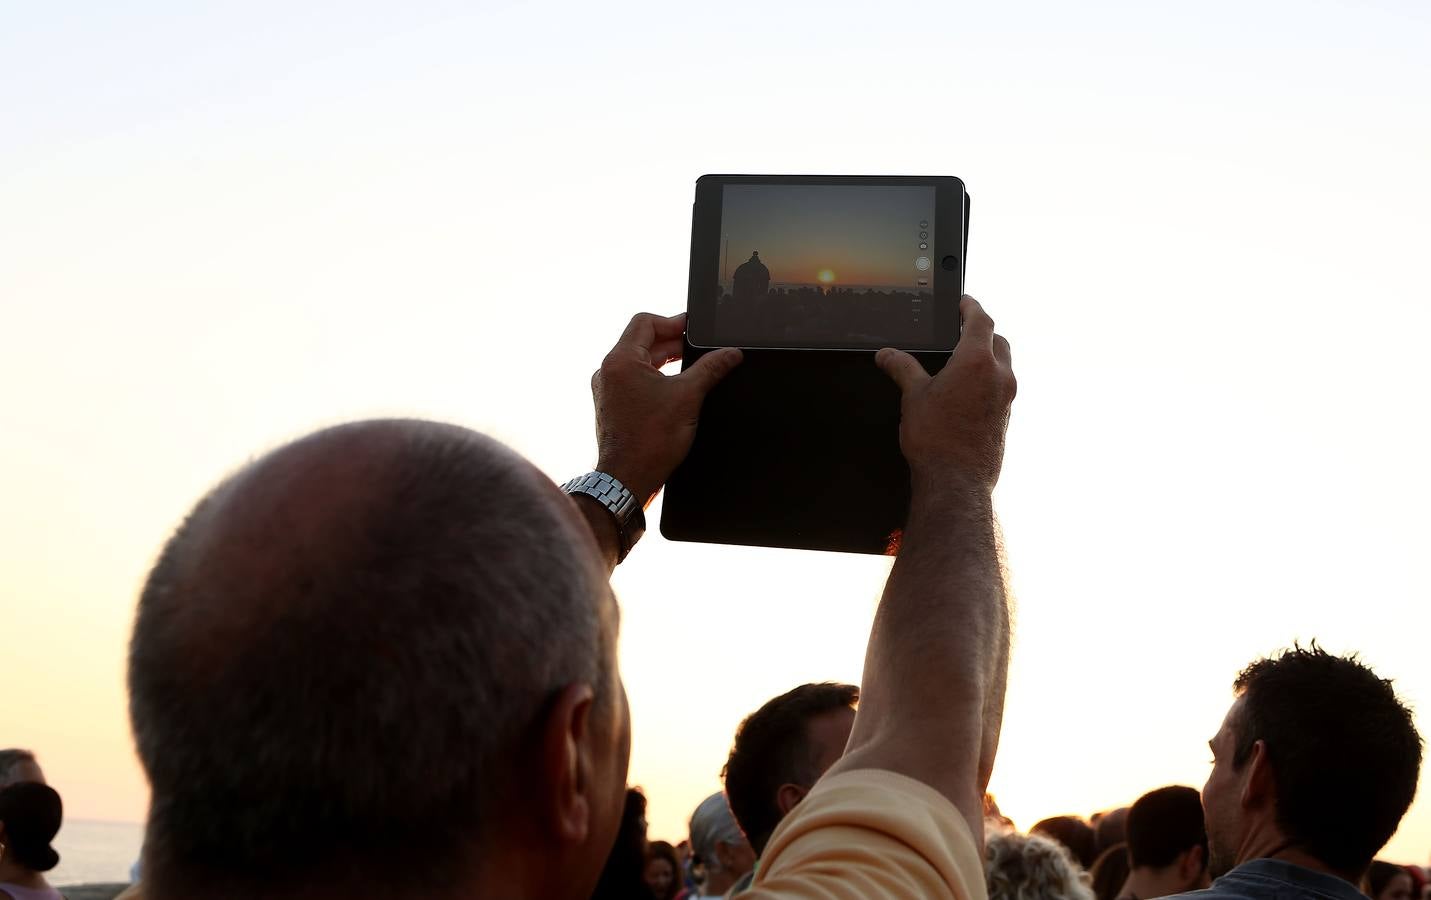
[{"x": 947, "y": 285}]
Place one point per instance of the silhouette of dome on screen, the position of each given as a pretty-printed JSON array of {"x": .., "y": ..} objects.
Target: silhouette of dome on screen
[{"x": 752, "y": 279}]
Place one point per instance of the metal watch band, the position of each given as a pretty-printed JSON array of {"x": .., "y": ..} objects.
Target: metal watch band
[{"x": 618, "y": 500}]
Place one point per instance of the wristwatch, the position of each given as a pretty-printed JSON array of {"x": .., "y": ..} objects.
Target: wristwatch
[{"x": 619, "y": 501}]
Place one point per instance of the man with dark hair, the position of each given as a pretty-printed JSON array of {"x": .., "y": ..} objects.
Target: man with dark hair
[
  {"x": 1314, "y": 766},
  {"x": 1167, "y": 844},
  {"x": 380, "y": 662},
  {"x": 780, "y": 751}
]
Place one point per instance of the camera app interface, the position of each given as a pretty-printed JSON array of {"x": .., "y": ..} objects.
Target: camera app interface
[{"x": 841, "y": 266}]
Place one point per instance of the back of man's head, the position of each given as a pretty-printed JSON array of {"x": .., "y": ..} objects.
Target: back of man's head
[
  {"x": 341, "y": 658},
  {"x": 1163, "y": 825},
  {"x": 778, "y": 746},
  {"x": 1074, "y": 834},
  {"x": 1344, "y": 753}
]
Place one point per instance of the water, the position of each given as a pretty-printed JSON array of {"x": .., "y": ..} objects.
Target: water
[{"x": 95, "y": 851}]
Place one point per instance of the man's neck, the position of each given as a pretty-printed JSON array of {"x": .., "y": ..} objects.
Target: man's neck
[
  {"x": 1146, "y": 883},
  {"x": 1299, "y": 857},
  {"x": 1270, "y": 843}
]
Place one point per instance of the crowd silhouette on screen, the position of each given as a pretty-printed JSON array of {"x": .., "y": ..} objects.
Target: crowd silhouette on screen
[{"x": 380, "y": 662}]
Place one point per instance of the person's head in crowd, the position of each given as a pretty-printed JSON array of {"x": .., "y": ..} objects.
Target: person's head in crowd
[
  {"x": 1031, "y": 867},
  {"x": 1316, "y": 761},
  {"x": 1388, "y": 881},
  {"x": 624, "y": 875},
  {"x": 1167, "y": 843},
  {"x": 1073, "y": 833},
  {"x": 1110, "y": 828},
  {"x": 720, "y": 846},
  {"x": 663, "y": 871},
  {"x": 1419, "y": 885},
  {"x": 687, "y": 858},
  {"x": 1110, "y": 872},
  {"x": 781, "y": 750},
  {"x": 386, "y": 653},
  {"x": 19, "y": 765},
  {"x": 30, "y": 817}
]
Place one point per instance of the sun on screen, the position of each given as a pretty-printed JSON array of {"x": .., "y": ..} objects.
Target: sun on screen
[{"x": 826, "y": 276}]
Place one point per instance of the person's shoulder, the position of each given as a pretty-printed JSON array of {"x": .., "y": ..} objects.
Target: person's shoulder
[{"x": 887, "y": 832}]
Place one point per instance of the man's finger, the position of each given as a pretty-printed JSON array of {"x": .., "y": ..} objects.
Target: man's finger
[
  {"x": 1002, "y": 352},
  {"x": 663, "y": 351},
  {"x": 978, "y": 327},
  {"x": 647, "y": 328},
  {"x": 904, "y": 369},
  {"x": 706, "y": 372}
]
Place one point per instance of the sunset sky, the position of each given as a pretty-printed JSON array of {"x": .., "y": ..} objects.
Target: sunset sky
[
  {"x": 860, "y": 235},
  {"x": 1203, "y": 227}
]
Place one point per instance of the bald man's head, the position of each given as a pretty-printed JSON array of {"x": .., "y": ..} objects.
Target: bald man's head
[{"x": 348, "y": 647}]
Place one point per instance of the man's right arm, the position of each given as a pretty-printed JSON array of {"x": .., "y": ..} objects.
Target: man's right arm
[{"x": 931, "y": 700}]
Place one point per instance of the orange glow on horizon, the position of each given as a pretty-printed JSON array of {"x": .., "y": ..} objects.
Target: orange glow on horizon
[{"x": 826, "y": 276}]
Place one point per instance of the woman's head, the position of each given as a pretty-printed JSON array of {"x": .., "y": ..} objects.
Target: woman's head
[
  {"x": 30, "y": 817},
  {"x": 663, "y": 870}
]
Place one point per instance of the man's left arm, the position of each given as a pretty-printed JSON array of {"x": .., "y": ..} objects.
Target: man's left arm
[{"x": 646, "y": 421}]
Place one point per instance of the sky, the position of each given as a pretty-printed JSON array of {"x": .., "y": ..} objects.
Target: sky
[
  {"x": 858, "y": 234},
  {"x": 1203, "y": 228}
]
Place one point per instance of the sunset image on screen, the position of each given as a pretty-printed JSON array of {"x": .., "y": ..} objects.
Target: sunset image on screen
[{"x": 825, "y": 263}]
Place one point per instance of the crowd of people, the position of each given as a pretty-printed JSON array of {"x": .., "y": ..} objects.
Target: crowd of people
[
  {"x": 1157, "y": 847},
  {"x": 380, "y": 662}
]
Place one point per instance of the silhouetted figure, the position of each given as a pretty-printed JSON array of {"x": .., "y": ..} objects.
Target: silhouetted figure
[
  {"x": 1110, "y": 872},
  {"x": 623, "y": 877},
  {"x": 1386, "y": 881},
  {"x": 1110, "y": 828},
  {"x": 1073, "y": 833},
  {"x": 752, "y": 279},
  {"x": 30, "y": 817}
]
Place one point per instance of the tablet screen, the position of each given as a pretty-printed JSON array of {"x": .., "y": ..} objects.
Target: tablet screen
[{"x": 840, "y": 264}]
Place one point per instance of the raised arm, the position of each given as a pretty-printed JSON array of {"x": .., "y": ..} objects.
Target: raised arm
[
  {"x": 646, "y": 421},
  {"x": 932, "y": 697}
]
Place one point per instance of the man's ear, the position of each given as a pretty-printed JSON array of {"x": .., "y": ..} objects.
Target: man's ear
[
  {"x": 567, "y": 764},
  {"x": 1191, "y": 862},
  {"x": 788, "y": 796},
  {"x": 1258, "y": 790}
]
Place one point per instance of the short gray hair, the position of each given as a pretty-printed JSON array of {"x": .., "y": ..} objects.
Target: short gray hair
[
  {"x": 1030, "y": 867},
  {"x": 317, "y": 682},
  {"x": 713, "y": 823}
]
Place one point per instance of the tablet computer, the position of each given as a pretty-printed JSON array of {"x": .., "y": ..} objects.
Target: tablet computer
[
  {"x": 799, "y": 446},
  {"x": 827, "y": 262}
]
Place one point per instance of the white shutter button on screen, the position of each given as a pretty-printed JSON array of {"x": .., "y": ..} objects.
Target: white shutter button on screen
[{"x": 922, "y": 264}]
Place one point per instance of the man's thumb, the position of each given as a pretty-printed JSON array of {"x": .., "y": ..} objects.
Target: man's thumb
[
  {"x": 708, "y": 371},
  {"x": 902, "y": 368}
]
